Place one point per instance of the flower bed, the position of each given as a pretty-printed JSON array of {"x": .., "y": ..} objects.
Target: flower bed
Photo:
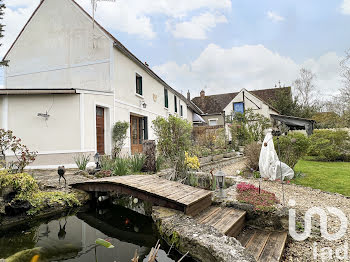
[{"x": 262, "y": 201}]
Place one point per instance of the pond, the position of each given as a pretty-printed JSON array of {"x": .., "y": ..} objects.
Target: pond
[{"x": 72, "y": 238}]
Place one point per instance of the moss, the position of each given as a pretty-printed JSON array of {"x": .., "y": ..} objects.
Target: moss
[
  {"x": 26, "y": 189},
  {"x": 175, "y": 239}
]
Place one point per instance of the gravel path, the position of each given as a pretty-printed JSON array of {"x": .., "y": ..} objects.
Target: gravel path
[{"x": 305, "y": 198}]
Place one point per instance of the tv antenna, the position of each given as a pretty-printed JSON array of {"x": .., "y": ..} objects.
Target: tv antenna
[{"x": 94, "y": 8}]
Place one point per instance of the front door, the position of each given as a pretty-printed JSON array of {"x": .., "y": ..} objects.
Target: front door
[
  {"x": 100, "y": 130},
  {"x": 136, "y": 134}
]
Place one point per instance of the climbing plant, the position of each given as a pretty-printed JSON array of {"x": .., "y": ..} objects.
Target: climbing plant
[{"x": 118, "y": 136}]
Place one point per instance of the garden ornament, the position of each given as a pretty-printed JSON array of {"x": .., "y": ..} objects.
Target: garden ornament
[{"x": 61, "y": 171}]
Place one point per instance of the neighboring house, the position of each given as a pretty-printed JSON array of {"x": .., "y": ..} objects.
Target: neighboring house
[
  {"x": 69, "y": 81},
  {"x": 216, "y": 107}
]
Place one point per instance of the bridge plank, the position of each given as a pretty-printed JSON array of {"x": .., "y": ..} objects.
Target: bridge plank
[{"x": 154, "y": 189}]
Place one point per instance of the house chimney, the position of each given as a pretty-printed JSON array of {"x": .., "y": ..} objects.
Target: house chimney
[
  {"x": 188, "y": 95},
  {"x": 202, "y": 93}
]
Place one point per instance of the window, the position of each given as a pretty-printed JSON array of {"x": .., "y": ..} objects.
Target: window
[
  {"x": 175, "y": 104},
  {"x": 181, "y": 111},
  {"x": 138, "y": 84},
  {"x": 238, "y": 107},
  {"x": 166, "y": 99},
  {"x": 213, "y": 122}
]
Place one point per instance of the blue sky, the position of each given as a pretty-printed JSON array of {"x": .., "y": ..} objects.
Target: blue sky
[{"x": 223, "y": 45}]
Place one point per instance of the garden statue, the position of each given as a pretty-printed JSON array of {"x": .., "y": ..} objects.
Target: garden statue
[{"x": 61, "y": 171}]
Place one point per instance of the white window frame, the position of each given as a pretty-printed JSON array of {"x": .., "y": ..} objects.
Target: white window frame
[{"x": 213, "y": 119}]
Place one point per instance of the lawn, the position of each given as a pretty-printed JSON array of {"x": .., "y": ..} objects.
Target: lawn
[{"x": 327, "y": 176}]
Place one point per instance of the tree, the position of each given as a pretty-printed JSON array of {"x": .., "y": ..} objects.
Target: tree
[
  {"x": 305, "y": 88},
  {"x": 2, "y": 7},
  {"x": 118, "y": 137},
  {"x": 285, "y": 103},
  {"x": 345, "y": 74}
]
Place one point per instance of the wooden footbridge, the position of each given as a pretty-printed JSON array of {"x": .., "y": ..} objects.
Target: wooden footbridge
[{"x": 195, "y": 202}]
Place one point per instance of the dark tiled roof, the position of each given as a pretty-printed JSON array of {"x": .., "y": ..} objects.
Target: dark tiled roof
[{"x": 215, "y": 104}]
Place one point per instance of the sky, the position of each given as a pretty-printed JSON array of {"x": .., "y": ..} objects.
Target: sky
[{"x": 221, "y": 46}]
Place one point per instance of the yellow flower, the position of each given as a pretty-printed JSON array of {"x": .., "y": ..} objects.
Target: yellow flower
[
  {"x": 191, "y": 162},
  {"x": 35, "y": 258}
]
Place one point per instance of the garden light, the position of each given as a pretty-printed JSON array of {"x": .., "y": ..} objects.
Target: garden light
[
  {"x": 97, "y": 160},
  {"x": 220, "y": 181}
]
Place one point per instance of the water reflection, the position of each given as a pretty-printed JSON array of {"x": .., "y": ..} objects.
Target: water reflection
[{"x": 72, "y": 238}]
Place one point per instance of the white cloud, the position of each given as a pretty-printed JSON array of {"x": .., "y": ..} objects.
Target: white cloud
[
  {"x": 15, "y": 19},
  {"x": 275, "y": 17},
  {"x": 198, "y": 26},
  {"x": 133, "y": 16},
  {"x": 249, "y": 66},
  {"x": 345, "y": 7}
]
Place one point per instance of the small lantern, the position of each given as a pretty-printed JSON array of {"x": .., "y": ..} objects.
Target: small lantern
[
  {"x": 97, "y": 160},
  {"x": 220, "y": 180}
]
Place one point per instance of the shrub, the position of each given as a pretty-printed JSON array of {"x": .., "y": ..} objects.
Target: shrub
[
  {"x": 159, "y": 163},
  {"x": 247, "y": 127},
  {"x": 121, "y": 166},
  {"x": 247, "y": 193},
  {"x": 9, "y": 142},
  {"x": 174, "y": 139},
  {"x": 136, "y": 162},
  {"x": 291, "y": 148},
  {"x": 81, "y": 161},
  {"x": 329, "y": 145},
  {"x": 252, "y": 153},
  {"x": 118, "y": 136}
]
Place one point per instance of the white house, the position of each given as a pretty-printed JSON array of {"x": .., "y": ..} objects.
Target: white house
[
  {"x": 68, "y": 82},
  {"x": 216, "y": 107}
]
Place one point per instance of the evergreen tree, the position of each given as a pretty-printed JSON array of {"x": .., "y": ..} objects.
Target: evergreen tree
[{"x": 2, "y": 7}]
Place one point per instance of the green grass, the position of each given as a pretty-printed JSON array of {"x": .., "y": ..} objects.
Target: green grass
[{"x": 327, "y": 176}]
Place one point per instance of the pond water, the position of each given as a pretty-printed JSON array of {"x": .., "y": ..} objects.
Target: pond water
[{"x": 72, "y": 238}]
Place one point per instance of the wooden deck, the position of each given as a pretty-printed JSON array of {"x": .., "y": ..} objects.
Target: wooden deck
[
  {"x": 227, "y": 220},
  {"x": 265, "y": 246},
  {"x": 158, "y": 191}
]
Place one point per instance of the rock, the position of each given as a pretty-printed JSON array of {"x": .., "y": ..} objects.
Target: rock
[
  {"x": 206, "y": 159},
  {"x": 91, "y": 170},
  {"x": 229, "y": 154},
  {"x": 83, "y": 173},
  {"x": 203, "y": 242},
  {"x": 17, "y": 207},
  {"x": 218, "y": 157}
]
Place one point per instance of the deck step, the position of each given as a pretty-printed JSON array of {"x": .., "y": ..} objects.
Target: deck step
[
  {"x": 227, "y": 220},
  {"x": 264, "y": 246}
]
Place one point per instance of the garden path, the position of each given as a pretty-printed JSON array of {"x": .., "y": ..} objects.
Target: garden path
[{"x": 305, "y": 198}]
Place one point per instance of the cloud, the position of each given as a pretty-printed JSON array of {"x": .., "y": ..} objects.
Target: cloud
[
  {"x": 345, "y": 7},
  {"x": 14, "y": 20},
  {"x": 249, "y": 66},
  {"x": 134, "y": 16},
  {"x": 198, "y": 26},
  {"x": 275, "y": 17}
]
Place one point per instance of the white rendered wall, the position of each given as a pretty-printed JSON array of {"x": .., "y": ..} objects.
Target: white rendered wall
[{"x": 60, "y": 49}]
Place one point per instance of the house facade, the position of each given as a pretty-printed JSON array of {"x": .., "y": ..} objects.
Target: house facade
[
  {"x": 217, "y": 107},
  {"x": 68, "y": 82}
]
